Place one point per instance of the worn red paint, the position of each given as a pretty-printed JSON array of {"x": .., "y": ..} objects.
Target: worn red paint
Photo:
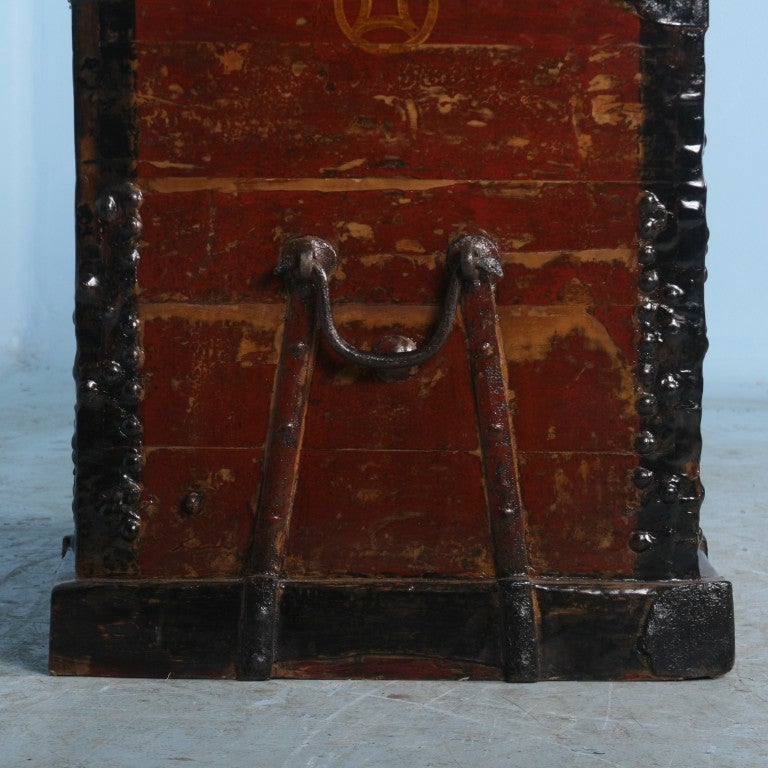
[
  {"x": 365, "y": 537},
  {"x": 478, "y": 22},
  {"x": 213, "y": 541},
  {"x": 389, "y": 513},
  {"x": 208, "y": 377},
  {"x": 353, "y": 409},
  {"x": 243, "y": 97},
  {"x": 579, "y": 514},
  {"x": 391, "y": 242},
  {"x": 577, "y": 398},
  {"x": 290, "y": 111}
]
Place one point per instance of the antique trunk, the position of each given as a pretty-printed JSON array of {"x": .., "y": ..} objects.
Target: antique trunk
[{"x": 390, "y": 334}]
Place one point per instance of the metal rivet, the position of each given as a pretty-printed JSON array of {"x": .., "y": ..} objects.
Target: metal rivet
[
  {"x": 641, "y": 541},
  {"x": 647, "y": 404},
  {"x": 646, "y": 312},
  {"x": 107, "y": 208},
  {"x": 130, "y": 528},
  {"x": 648, "y": 280},
  {"x": 133, "y": 357},
  {"x": 674, "y": 292},
  {"x": 131, "y": 392},
  {"x": 131, "y": 491},
  {"x": 670, "y": 491},
  {"x": 132, "y": 227},
  {"x": 133, "y": 195},
  {"x": 642, "y": 477},
  {"x": 647, "y": 373},
  {"x": 674, "y": 326},
  {"x": 193, "y": 503},
  {"x": 397, "y": 345},
  {"x": 132, "y": 462},
  {"x": 647, "y": 254},
  {"x": 131, "y": 427},
  {"x": 112, "y": 371},
  {"x": 130, "y": 259},
  {"x": 649, "y": 346},
  {"x": 645, "y": 443},
  {"x": 89, "y": 391},
  {"x": 670, "y": 389}
]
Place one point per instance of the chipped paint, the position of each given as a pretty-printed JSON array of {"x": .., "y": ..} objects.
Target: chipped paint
[
  {"x": 232, "y": 60},
  {"x": 354, "y": 230}
]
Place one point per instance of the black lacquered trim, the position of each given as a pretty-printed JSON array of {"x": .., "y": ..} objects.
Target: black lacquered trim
[
  {"x": 672, "y": 243},
  {"x": 107, "y": 447},
  {"x": 694, "y": 13}
]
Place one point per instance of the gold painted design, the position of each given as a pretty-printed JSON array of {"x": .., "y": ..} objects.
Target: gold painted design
[{"x": 403, "y": 22}]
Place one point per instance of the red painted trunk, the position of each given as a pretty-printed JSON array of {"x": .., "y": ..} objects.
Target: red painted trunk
[{"x": 227, "y": 436}]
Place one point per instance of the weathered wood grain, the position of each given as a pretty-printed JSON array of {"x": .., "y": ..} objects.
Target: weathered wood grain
[
  {"x": 350, "y": 408},
  {"x": 209, "y": 372},
  {"x": 479, "y": 22},
  {"x": 305, "y": 110},
  {"x": 559, "y": 242},
  {"x": 579, "y": 513},
  {"x": 203, "y": 507},
  {"x": 389, "y": 513},
  {"x": 573, "y": 386}
]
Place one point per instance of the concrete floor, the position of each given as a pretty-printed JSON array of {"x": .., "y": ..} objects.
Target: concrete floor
[{"x": 79, "y": 722}]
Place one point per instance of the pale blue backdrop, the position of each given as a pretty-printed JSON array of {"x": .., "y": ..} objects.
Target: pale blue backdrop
[{"x": 36, "y": 227}]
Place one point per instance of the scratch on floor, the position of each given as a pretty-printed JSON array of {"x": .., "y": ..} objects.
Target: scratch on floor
[
  {"x": 441, "y": 696},
  {"x": 526, "y": 712},
  {"x": 595, "y": 756},
  {"x": 608, "y": 708},
  {"x": 316, "y": 731}
]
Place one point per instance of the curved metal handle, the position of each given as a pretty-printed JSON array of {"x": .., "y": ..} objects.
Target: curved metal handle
[{"x": 310, "y": 260}]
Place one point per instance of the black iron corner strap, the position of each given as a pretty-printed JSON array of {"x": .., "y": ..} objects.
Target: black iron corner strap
[{"x": 312, "y": 260}]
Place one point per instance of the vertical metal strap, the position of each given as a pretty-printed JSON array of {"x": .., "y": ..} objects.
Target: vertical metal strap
[
  {"x": 507, "y": 523},
  {"x": 278, "y": 487}
]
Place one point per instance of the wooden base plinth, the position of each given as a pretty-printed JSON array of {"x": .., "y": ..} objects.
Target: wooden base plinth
[{"x": 552, "y": 629}]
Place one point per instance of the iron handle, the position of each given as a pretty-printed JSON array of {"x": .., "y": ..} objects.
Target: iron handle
[{"x": 310, "y": 260}]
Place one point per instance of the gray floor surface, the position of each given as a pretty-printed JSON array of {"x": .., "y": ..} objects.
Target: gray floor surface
[{"x": 82, "y": 722}]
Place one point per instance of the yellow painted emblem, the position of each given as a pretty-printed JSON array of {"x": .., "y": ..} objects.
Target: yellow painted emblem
[{"x": 413, "y": 34}]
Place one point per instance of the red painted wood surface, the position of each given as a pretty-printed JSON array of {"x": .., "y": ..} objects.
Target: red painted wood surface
[
  {"x": 258, "y": 121},
  {"x": 576, "y": 394},
  {"x": 580, "y": 512},
  {"x": 208, "y": 374},
  {"x": 554, "y": 238},
  {"x": 211, "y": 541},
  {"x": 515, "y": 22},
  {"x": 247, "y": 121},
  {"x": 350, "y": 408},
  {"x": 263, "y": 110},
  {"x": 389, "y": 513}
]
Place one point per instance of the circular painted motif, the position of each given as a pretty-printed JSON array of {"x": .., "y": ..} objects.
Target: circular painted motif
[{"x": 368, "y": 25}]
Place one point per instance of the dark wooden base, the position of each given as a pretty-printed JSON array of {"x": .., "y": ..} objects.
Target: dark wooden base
[{"x": 583, "y": 629}]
